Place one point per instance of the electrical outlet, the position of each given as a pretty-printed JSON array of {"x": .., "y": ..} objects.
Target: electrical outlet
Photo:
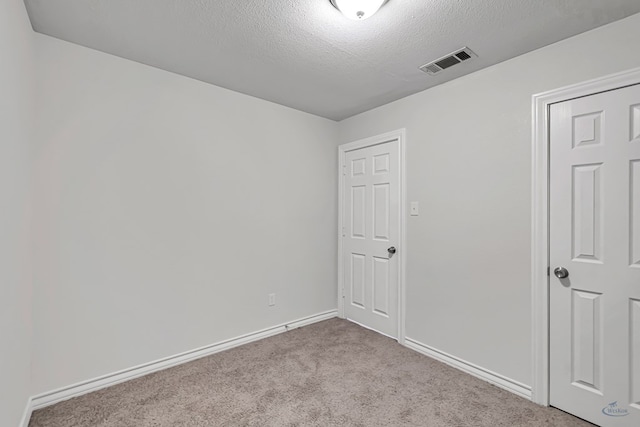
[
  {"x": 272, "y": 300},
  {"x": 415, "y": 209}
]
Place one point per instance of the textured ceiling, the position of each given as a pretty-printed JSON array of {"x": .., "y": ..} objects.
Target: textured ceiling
[{"x": 305, "y": 54}]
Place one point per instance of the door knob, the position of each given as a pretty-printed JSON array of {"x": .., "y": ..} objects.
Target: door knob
[
  {"x": 561, "y": 272},
  {"x": 392, "y": 250}
]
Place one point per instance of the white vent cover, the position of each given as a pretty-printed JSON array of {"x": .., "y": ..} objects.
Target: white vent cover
[{"x": 462, "y": 55}]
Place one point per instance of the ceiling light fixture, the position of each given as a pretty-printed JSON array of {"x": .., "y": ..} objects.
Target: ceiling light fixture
[{"x": 358, "y": 10}]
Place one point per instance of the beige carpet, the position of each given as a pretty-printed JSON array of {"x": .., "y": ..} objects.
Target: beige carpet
[{"x": 332, "y": 373}]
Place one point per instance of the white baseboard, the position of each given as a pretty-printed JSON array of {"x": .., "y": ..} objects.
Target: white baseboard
[
  {"x": 49, "y": 398},
  {"x": 498, "y": 380},
  {"x": 26, "y": 415}
]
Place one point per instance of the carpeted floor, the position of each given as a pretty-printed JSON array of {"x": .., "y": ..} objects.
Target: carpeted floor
[{"x": 332, "y": 373}]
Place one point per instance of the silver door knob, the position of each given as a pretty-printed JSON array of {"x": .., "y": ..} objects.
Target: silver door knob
[
  {"x": 392, "y": 250},
  {"x": 561, "y": 272}
]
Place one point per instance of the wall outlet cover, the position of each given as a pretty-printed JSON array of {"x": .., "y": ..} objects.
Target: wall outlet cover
[{"x": 415, "y": 209}]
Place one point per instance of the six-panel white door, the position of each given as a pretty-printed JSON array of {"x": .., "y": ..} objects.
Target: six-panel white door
[
  {"x": 371, "y": 230},
  {"x": 595, "y": 236}
]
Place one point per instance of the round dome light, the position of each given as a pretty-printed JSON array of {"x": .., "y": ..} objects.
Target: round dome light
[{"x": 358, "y": 10}]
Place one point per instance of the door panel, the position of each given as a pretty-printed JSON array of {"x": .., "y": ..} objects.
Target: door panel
[
  {"x": 634, "y": 356},
  {"x": 381, "y": 203},
  {"x": 357, "y": 279},
  {"x": 358, "y": 198},
  {"x": 587, "y": 340},
  {"x": 371, "y": 180},
  {"x": 594, "y": 227},
  {"x": 634, "y": 221},
  {"x": 634, "y": 133},
  {"x": 587, "y": 215},
  {"x": 381, "y": 286}
]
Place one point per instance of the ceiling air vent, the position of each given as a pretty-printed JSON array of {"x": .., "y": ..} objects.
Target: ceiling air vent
[{"x": 434, "y": 67}]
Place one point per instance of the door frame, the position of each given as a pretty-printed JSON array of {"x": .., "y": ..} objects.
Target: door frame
[
  {"x": 400, "y": 136},
  {"x": 540, "y": 269}
]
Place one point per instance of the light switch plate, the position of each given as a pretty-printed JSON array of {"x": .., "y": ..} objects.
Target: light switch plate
[{"x": 415, "y": 209}]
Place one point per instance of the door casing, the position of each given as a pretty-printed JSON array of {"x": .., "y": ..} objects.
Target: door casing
[
  {"x": 540, "y": 216},
  {"x": 398, "y": 135}
]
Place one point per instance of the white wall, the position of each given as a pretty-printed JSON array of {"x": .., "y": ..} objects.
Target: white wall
[
  {"x": 16, "y": 123},
  {"x": 167, "y": 210},
  {"x": 469, "y": 166}
]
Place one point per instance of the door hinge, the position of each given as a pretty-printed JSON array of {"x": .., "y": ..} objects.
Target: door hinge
[
  {"x": 549, "y": 271},
  {"x": 344, "y": 169},
  {"x": 343, "y": 233}
]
